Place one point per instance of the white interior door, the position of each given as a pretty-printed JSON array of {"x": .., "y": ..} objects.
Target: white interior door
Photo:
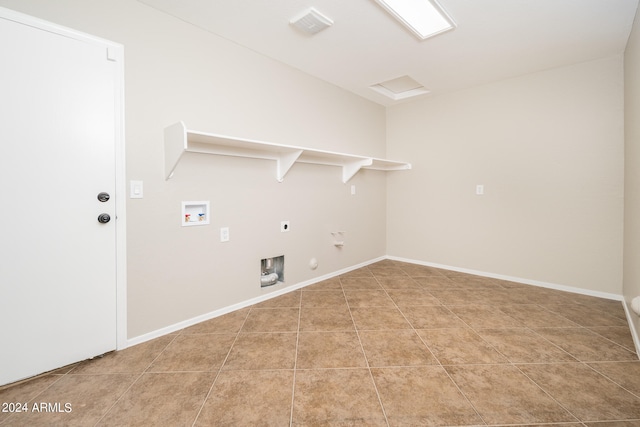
[{"x": 58, "y": 130}]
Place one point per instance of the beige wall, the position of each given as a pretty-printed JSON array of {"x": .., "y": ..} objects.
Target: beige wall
[
  {"x": 548, "y": 148},
  {"x": 631, "y": 286},
  {"x": 175, "y": 71}
]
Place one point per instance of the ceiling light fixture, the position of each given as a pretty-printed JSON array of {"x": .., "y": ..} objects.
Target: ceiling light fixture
[{"x": 425, "y": 18}]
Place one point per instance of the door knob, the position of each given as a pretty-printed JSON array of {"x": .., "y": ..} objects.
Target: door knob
[
  {"x": 103, "y": 197},
  {"x": 104, "y": 218}
]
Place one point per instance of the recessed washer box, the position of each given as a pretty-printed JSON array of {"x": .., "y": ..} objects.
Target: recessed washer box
[
  {"x": 271, "y": 271},
  {"x": 195, "y": 213}
]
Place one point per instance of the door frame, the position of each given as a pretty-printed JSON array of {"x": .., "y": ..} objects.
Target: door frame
[{"x": 114, "y": 52}]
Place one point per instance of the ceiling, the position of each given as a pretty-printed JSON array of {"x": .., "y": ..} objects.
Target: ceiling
[{"x": 494, "y": 39}]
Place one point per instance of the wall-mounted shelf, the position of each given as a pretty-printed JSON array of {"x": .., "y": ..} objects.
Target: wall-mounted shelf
[{"x": 178, "y": 140}]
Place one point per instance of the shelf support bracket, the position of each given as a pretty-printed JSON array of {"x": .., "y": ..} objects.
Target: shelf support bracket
[
  {"x": 175, "y": 144},
  {"x": 285, "y": 162},
  {"x": 352, "y": 168}
]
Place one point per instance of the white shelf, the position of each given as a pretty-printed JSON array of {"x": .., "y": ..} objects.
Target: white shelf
[{"x": 178, "y": 140}]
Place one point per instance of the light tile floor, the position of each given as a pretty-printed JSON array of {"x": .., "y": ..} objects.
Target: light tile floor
[{"x": 389, "y": 344}]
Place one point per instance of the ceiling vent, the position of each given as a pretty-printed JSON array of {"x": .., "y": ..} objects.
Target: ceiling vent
[
  {"x": 311, "y": 22},
  {"x": 400, "y": 88}
]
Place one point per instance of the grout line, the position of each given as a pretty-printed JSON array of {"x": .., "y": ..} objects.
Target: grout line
[
  {"x": 119, "y": 398},
  {"x": 536, "y": 333},
  {"x": 364, "y": 354},
  {"x": 548, "y": 394},
  {"x": 213, "y": 383},
  {"x": 436, "y": 357},
  {"x": 608, "y": 339},
  {"x": 588, "y": 364},
  {"x": 144, "y": 371},
  {"x": 295, "y": 362},
  {"x": 160, "y": 353}
]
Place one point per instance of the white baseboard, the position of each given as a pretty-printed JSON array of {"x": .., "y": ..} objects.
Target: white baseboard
[
  {"x": 635, "y": 334},
  {"x": 555, "y": 286},
  {"x": 228, "y": 309}
]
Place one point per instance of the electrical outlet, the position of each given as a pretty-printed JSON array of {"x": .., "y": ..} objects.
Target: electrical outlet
[
  {"x": 224, "y": 234},
  {"x": 284, "y": 226}
]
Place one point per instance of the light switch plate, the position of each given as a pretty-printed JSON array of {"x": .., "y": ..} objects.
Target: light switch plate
[{"x": 136, "y": 190}]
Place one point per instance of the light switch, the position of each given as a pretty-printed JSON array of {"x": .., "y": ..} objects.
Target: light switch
[
  {"x": 136, "y": 190},
  {"x": 480, "y": 189}
]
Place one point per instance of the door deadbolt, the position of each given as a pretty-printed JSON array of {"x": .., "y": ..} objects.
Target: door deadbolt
[
  {"x": 104, "y": 197},
  {"x": 104, "y": 218}
]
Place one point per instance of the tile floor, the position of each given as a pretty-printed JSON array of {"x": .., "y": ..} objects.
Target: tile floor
[{"x": 389, "y": 344}]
